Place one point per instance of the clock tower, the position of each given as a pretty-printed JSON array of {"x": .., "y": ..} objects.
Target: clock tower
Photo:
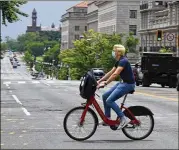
[{"x": 34, "y": 18}]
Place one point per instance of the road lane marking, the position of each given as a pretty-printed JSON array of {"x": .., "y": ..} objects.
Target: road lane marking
[
  {"x": 17, "y": 100},
  {"x": 10, "y": 91},
  {"x": 6, "y": 83},
  {"x": 50, "y": 81},
  {"x": 35, "y": 82},
  {"x": 21, "y": 82},
  {"x": 12, "y": 133},
  {"x": 25, "y": 111},
  {"x": 46, "y": 84},
  {"x": 155, "y": 96}
]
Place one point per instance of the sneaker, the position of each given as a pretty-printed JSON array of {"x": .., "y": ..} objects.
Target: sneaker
[{"x": 123, "y": 122}]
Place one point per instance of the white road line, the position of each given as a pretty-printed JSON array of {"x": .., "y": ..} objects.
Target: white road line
[
  {"x": 21, "y": 82},
  {"x": 8, "y": 87},
  {"x": 35, "y": 82},
  {"x": 47, "y": 84},
  {"x": 10, "y": 91},
  {"x": 25, "y": 111},
  {"x": 17, "y": 100},
  {"x": 6, "y": 82},
  {"x": 50, "y": 81}
]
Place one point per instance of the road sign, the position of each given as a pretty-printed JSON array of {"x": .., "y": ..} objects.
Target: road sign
[{"x": 170, "y": 37}]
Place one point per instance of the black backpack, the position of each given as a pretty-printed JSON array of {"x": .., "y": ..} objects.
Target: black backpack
[{"x": 88, "y": 85}]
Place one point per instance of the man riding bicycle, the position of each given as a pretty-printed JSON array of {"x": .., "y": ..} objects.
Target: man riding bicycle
[{"x": 123, "y": 68}]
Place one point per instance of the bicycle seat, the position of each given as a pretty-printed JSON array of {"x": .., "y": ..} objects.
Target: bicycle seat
[{"x": 131, "y": 92}]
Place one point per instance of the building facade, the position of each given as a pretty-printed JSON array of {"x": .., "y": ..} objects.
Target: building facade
[
  {"x": 92, "y": 16},
  {"x": 118, "y": 16},
  {"x": 159, "y": 15},
  {"x": 74, "y": 23}
]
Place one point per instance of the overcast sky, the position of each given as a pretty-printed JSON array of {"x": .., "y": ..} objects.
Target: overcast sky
[{"x": 47, "y": 13}]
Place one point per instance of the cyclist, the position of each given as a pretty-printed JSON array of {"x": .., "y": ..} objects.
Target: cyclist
[{"x": 123, "y": 68}]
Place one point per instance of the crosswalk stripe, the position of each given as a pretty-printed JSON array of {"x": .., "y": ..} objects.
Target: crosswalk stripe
[
  {"x": 35, "y": 82},
  {"x": 6, "y": 82},
  {"x": 21, "y": 82}
]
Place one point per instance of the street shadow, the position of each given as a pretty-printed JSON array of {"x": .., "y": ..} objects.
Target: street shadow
[{"x": 110, "y": 141}]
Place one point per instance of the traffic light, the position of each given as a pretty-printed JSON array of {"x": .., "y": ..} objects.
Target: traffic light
[{"x": 159, "y": 35}]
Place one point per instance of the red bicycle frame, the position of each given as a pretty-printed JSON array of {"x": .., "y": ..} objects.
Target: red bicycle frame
[{"x": 93, "y": 101}]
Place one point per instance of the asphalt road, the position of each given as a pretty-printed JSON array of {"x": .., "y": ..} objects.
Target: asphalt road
[{"x": 32, "y": 113}]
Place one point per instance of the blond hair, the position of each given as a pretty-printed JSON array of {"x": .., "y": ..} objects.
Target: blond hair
[{"x": 120, "y": 48}]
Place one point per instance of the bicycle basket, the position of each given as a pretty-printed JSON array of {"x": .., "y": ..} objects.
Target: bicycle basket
[{"x": 88, "y": 85}]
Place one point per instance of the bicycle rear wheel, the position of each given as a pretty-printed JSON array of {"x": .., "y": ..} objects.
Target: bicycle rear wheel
[
  {"x": 72, "y": 125},
  {"x": 139, "y": 132}
]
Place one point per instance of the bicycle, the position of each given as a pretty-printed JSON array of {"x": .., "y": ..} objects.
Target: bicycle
[{"x": 131, "y": 112}]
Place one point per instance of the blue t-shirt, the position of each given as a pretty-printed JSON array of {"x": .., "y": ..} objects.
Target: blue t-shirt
[{"x": 126, "y": 74}]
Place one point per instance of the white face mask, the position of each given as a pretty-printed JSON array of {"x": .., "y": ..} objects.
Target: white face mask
[{"x": 113, "y": 54}]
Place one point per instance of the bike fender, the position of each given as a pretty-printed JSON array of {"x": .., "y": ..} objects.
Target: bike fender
[{"x": 138, "y": 111}]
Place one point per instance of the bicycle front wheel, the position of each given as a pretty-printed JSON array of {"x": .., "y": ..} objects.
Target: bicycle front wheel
[{"x": 72, "y": 125}]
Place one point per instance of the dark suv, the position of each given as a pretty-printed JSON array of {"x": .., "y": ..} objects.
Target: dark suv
[{"x": 98, "y": 73}]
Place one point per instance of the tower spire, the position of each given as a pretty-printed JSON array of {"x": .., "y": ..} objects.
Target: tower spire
[{"x": 34, "y": 18}]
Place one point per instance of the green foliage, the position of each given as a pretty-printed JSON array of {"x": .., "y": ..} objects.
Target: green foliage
[
  {"x": 130, "y": 43},
  {"x": 12, "y": 44},
  {"x": 38, "y": 67},
  {"x": 27, "y": 38},
  {"x": 164, "y": 50},
  {"x": 28, "y": 57},
  {"x": 3, "y": 46},
  {"x": 10, "y": 11},
  {"x": 63, "y": 72},
  {"x": 50, "y": 35},
  {"x": 94, "y": 50},
  {"x": 52, "y": 54},
  {"x": 36, "y": 48}
]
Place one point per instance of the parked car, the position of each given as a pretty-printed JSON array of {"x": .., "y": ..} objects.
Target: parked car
[
  {"x": 98, "y": 73},
  {"x": 18, "y": 63},
  {"x": 14, "y": 64}
]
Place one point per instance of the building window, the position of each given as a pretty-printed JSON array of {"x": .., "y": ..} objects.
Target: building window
[
  {"x": 133, "y": 13},
  {"x": 77, "y": 28},
  {"x": 133, "y": 28},
  {"x": 77, "y": 37},
  {"x": 85, "y": 28}
]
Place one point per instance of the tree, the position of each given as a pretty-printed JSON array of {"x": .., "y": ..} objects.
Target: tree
[
  {"x": 3, "y": 47},
  {"x": 52, "y": 54},
  {"x": 94, "y": 50},
  {"x": 50, "y": 35},
  {"x": 12, "y": 44},
  {"x": 131, "y": 43},
  {"x": 28, "y": 56},
  {"x": 24, "y": 39},
  {"x": 36, "y": 48},
  {"x": 10, "y": 11}
]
